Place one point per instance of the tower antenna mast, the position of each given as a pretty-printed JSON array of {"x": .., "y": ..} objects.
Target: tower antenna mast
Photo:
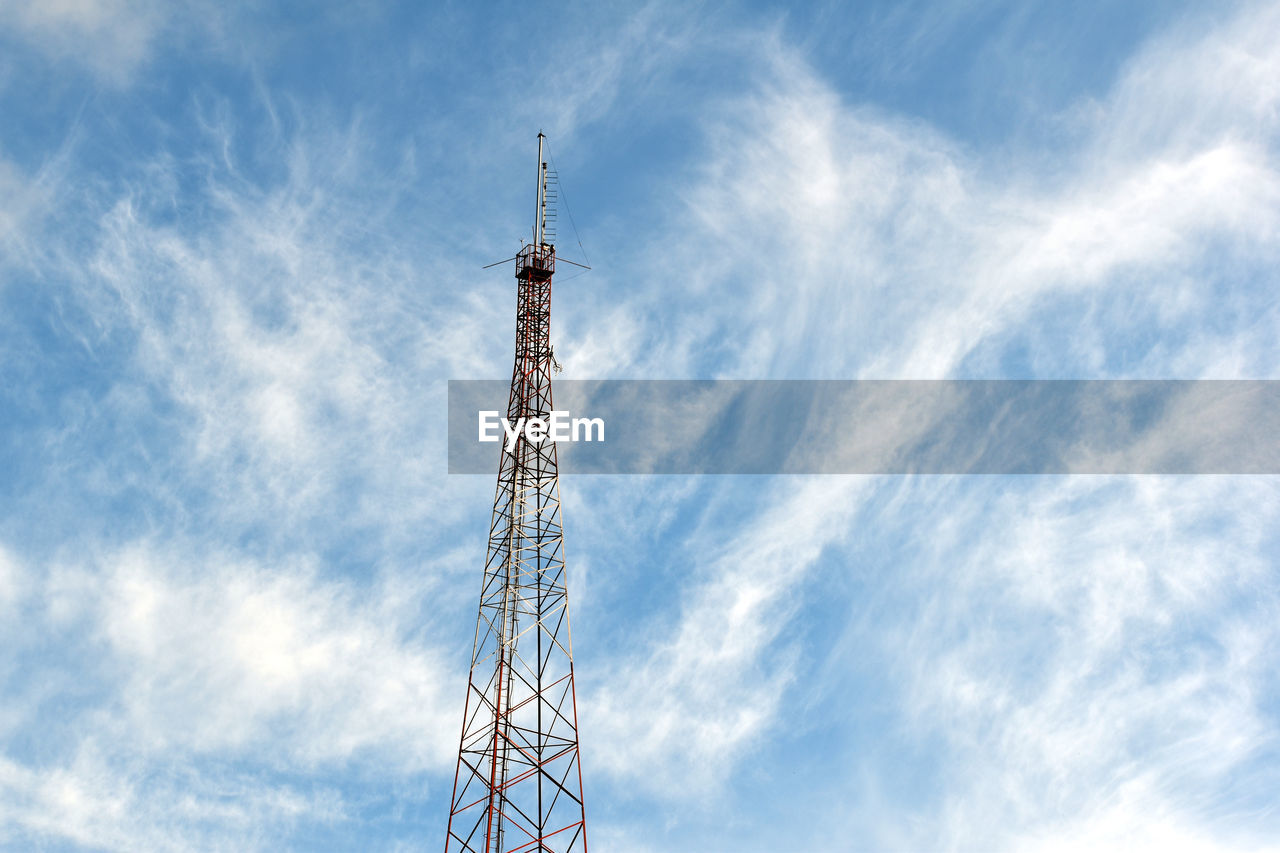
[
  {"x": 518, "y": 783},
  {"x": 540, "y": 214}
]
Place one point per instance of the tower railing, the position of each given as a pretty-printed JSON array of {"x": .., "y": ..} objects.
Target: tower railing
[{"x": 536, "y": 262}]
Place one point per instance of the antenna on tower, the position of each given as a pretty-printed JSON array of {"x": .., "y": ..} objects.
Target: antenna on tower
[
  {"x": 539, "y": 214},
  {"x": 545, "y": 214}
]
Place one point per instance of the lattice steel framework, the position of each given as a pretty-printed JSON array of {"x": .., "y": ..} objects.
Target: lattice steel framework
[{"x": 518, "y": 785}]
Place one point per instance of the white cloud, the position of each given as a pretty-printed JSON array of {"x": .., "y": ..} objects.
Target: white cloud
[
  {"x": 678, "y": 719},
  {"x": 643, "y": 46},
  {"x": 232, "y": 657},
  {"x": 1133, "y": 822},
  {"x": 1162, "y": 218},
  {"x": 300, "y": 355},
  {"x": 92, "y": 804},
  {"x": 112, "y": 37},
  {"x": 23, "y": 200},
  {"x": 834, "y": 240},
  {"x": 877, "y": 247},
  {"x": 179, "y": 693},
  {"x": 1094, "y": 665},
  {"x": 209, "y": 657},
  {"x": 1214, "y": 79},
  {"x": 12, "y": 580},
  {"x": 831, "y": 240}
]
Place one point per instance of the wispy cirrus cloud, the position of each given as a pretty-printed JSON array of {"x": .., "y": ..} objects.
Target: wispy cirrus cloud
[
  {"x": 678, "y": 720},
  {"x": 202, "y": 635},
  {"x": 922, "y": 255},
  {"x": 250, "y": 552},
  {"x": 875, "y": 246},
  {"x": 277, "y": 347},
  {"x": 1094, "y": 672}
]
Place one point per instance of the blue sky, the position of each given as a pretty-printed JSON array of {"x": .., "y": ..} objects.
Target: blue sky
[{"x": 240, "y": 254}]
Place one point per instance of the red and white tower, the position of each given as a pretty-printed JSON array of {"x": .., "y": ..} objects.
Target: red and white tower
[{"x": 518, "y": 785}]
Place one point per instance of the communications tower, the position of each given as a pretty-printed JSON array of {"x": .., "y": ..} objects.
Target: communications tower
[{"x": 518, "y": 784}]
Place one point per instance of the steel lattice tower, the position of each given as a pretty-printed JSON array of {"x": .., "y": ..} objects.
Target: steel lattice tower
[{"x": 518, "y": 785}]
